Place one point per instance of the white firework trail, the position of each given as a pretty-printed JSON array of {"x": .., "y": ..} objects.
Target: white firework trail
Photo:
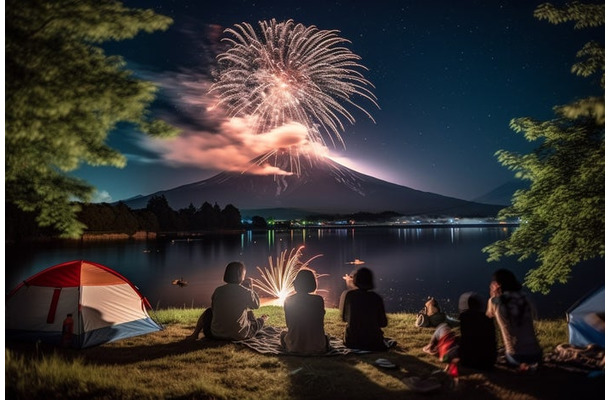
[
  {"x": 291, "y": 73},
  {"x": 276, "y": 280}
]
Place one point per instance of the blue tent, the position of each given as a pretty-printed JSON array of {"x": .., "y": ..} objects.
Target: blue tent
[{"x": 586, "y": 319}]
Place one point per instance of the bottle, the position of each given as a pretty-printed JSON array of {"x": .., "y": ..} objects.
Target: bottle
[{"x": 67, "y": 331}]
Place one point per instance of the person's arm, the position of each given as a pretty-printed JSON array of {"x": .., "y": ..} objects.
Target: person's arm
[
  {"x": 349, "y": 282},
  {"x": 382, "y": 318},
  {"x": 213, "y": 296},
  {"x": 344, "y": 305},
  {"x": 494, "y": 292},
  {"x": 288, "y": 313},
  {"x": 253, "y": 300},
  {"x": 321, "y": 304},
  {"x": 491, "y": 310}
]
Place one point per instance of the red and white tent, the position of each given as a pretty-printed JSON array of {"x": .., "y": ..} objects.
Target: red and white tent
[{"x": 104, "y": 305}]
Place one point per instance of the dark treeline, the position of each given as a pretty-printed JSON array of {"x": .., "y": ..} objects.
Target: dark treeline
[{"x": 158, "y": 216}]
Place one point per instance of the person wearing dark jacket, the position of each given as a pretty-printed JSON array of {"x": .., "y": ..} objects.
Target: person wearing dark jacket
[
  {"x": 304, "y": 312},
  {"x": 477, "y": 333},
  {"x": 364, "y": 312}
]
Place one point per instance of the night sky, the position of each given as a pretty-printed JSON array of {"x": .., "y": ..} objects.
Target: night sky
[{"x": 448, "y": 75}]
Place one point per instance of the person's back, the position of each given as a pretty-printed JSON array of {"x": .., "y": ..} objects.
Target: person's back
[
  {"x": 477, "y": 340},
  {"x": 478, "y": 348},
  {"x": 230, "y": 305},
  {"x": 516, "y": 322},
  {"x": 515, "y": 317},
  {"x": 229, "y": 316},
  {"x": 364, "y": 312},
  {"x": 305, "y": 321}
]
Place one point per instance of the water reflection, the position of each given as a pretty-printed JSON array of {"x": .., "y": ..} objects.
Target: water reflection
[{"x": 409, "y": 263}]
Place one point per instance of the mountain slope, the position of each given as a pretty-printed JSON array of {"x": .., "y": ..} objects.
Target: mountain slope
[
  {"x": 503, "y": 194},
  {"x": 323, "y": 186}
]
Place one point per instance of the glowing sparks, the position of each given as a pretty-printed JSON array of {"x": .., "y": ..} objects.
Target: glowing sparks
[
  {"x": 276, "y": 280},
  {"x": 290, "y": 73}
]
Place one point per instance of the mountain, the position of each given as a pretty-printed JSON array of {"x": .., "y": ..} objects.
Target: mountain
[
  {"x": 503, "y": 194},
  {"x": 323, "y": 186}
]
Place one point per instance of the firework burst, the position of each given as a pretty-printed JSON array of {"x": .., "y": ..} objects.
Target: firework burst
[
  {"x": 291, "y": 73},
  {"x": 276, "y": 280}
]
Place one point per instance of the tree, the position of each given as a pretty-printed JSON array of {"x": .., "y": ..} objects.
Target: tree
[
  {"x": 231, "y": 217},
  {"x": 97, "y": 217},
  {"x": 124, "y": 219},
  {"x": 188, "y": 218},
  {"x": 205, "y": 216},
  {"x": 147, "y": 221},
  {"x": 64, "y": 96},
  {"x": 259, "y": 222},
  {"x": 166, "y": 216},
  {"x": 562, "y": 211}
]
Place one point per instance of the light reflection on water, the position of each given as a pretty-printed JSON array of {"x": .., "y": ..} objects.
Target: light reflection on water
[{"x": 409, "y": 264}]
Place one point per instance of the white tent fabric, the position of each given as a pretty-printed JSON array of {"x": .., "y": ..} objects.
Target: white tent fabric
[{"x": 104, "y": 306}]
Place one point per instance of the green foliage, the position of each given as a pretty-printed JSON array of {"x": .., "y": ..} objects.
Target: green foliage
[
  {"x": 583, "y": 15},
  {"x": 110, "y": 218},
  {"x": 63, "y": 97},
  {"x": 562, "y": 212}
]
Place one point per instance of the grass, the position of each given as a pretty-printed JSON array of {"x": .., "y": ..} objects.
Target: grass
[{"x": 164, "y": 366}]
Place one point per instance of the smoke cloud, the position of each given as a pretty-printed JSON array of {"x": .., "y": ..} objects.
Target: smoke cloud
[{"x": 211, "y": 141}]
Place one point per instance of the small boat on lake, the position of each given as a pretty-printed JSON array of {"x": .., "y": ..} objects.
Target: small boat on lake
[{"x": 180, "y": 282}]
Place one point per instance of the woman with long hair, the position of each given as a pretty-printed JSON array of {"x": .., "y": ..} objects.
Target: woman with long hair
[{"x": 514, "y": 315}]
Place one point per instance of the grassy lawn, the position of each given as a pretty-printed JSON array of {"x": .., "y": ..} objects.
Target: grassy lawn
[{"x": 164, "y": 366}]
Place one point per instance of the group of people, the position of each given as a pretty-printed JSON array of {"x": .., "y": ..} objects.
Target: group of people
[
  {"x": 231, "y": 317},
  {"x": 476, "y": 345}
]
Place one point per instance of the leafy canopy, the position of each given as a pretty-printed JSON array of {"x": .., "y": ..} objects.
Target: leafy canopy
[
  {"x": 562, "y": 211},
  {"x": 64, "y": 96}
]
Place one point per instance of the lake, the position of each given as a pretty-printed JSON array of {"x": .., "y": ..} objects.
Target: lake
[{"x": 409, "y": 264}]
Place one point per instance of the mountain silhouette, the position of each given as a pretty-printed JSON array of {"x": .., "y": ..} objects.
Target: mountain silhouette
[
  {"x": 502, "y": 194},
  {"x": 322, "y": 186}
]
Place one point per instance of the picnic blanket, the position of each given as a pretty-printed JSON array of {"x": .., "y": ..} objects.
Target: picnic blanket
[
  {"x": 267, "y": 341},
  {"x": 577, "y": 359}
]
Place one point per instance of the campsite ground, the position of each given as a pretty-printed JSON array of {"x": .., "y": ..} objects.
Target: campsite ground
[{"x": 163, "y": 365}]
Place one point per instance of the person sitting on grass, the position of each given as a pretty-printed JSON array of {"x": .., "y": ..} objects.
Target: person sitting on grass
[
  {"x": 364, "y": 312},
  {"x": 514, "y": 315},
  {"x": 230, "y": 316},
  {"x": 304, "y": 317},
  {"x": 445, "y": 344},
  {"x": 476, "y": 345},
  {"x": 477, "y": 333}
]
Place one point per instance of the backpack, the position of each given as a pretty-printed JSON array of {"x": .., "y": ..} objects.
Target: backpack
[{"x": 431, "y": 315}]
